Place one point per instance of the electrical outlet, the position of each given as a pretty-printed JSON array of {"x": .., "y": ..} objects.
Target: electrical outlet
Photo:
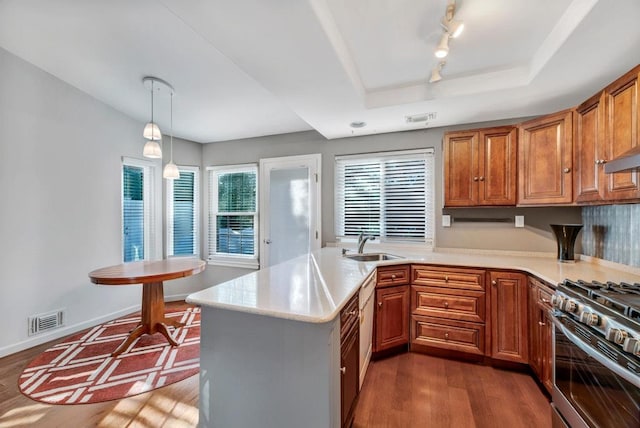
[
  {"x": 446, "y": 221},
  {"x": 519, "y": 221}
]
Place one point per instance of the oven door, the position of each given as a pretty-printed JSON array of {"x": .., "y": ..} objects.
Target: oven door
[{"x": 590, "y": 388}]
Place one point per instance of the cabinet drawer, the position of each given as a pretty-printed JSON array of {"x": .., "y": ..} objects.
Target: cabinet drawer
[
  {"x": 389, "y": 276},
  {"x": 543, "y": 293},
  {"x": 466, "y": 279},
  {"x": 349, "y": 315},
  {"x": 454, "y": 335},
  {"x": 464, "y": 305}
]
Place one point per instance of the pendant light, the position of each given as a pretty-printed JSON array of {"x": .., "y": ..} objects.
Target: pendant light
[
  {"x": 170, "y": 171},
  {"x": 152, "y": 132}
]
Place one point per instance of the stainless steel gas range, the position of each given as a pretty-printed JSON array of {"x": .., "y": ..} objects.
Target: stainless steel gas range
[{"x": 596, "y": 355}]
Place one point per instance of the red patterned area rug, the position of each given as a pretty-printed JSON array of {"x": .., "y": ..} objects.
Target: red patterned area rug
[{"x": 82, "y": 370}]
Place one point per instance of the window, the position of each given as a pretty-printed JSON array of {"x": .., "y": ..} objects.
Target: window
[
  {"x": 389, "y": 195},
  {"x": 139, "y": 200},
  {"x": 233, "y": 215},
  {"x": 182, "y": 213}
]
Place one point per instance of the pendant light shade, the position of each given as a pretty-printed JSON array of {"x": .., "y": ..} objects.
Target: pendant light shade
[
  {"x": 152, "y": 132},
  {"x": 152, "y": 150},
  {"x": 171, "y": 171}
]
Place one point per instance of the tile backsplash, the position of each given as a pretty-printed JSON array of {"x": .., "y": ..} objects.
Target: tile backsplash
[{"x": 612, "y": 232}]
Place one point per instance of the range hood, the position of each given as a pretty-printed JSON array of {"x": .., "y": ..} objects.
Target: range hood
[{"x": 628, "y": 160}]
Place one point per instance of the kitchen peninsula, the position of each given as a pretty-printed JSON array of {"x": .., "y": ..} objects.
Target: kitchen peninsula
[{"x": 270, "y": 349}]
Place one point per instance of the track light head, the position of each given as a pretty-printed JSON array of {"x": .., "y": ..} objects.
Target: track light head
[
  {"x": 435, "y": 72},
  {"x": 442, "y": 50}
]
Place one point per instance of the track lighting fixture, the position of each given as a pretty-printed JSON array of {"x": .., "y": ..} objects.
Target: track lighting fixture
[{"x": 452, "y": 29}]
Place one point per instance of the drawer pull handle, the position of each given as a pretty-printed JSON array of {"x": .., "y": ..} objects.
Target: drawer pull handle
[
  {"x": 343, "y": 370},
  {"x": 393, "y": 276},
  {"x": 446, "y": 336},
  {"x": 446, "y": 305}
]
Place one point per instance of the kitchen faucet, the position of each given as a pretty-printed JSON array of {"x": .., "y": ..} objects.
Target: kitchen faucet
[{"x": 363, "y": 240}]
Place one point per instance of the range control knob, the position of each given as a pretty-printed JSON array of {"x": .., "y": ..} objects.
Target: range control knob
[
  {"x": 620, "y": 337},
  {"x": 611, "y": 334},
  {"x": 589, "y": 318},
  {"x": 557, "y": 301},
  {"x": 570, "y": 306},
  {"x": 632, "y": 346}
]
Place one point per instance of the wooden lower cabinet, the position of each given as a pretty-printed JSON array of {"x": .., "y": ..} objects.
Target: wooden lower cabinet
[
  {"x": 540, "y": 332},
  {"x": 392, "y": 317},
  {"x": 349, "y": 361},
  {"x": 508, "y": 308}
]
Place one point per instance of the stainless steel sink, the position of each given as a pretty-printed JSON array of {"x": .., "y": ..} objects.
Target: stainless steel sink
[{"x": 371, "y": 257}]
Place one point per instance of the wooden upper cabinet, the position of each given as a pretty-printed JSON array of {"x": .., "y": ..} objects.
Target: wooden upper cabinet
[
  {"x": 480, "y": 167},
  {"x": 545, "y": 160},
  {"x": 460, "y": 168},
  {"x": 590, "y": 150},
  {"x": 622, "y": 121}
]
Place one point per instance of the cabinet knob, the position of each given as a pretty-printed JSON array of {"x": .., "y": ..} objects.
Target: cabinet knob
[
  {"x": 446, "y": 305},
  {"x": 343, "y": 370},
  {"x": 566, "y": 170},
  {"x": 393, "y": 276},
  {"x": 545, "y": 300},
  {"x": 481, "y": 178},
  {"x": 494, "y": 282},
  {"x": 541, "y": 323},
  {"x": 379, "y": 304},
  {"x": 446, "y": 336},
  {"x": 446, "y": 278},
  {"x": 353, "y": 312},
  {"x": 475, "y": 178},
  {"x": 603, "y": 161}
]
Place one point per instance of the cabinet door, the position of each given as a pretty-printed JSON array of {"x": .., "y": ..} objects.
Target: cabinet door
[
  {"x": 461, "y": 169},
  {"x": 622, "y": 133},
  {"x": 546, "y": 349},
  {"x": 589, "y": 150},
  {"x": 497, "y": 166},
  {"x": 392, "y": 317},
  {"x": 535, "y": 352},
  {"x": 545, "y": 160},
  {"x": 350, "y": 372},
  {"x": 508, "y": 316}
]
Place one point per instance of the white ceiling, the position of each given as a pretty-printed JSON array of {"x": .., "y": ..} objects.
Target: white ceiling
[{"x": 247, "y": 68}]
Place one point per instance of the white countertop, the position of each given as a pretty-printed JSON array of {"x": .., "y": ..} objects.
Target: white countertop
[{"x": 314, "y": 287}]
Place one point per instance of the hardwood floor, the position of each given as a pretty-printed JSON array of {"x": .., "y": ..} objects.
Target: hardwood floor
[
  {"x": 416, "y": 390},
  {"x": 409, "y": 390}
]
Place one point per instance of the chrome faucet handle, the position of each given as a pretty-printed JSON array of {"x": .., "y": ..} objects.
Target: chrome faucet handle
[{"x": 344, "y": 251}]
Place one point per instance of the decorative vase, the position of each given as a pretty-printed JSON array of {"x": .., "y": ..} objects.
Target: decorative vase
[{"x": 566, "y": 235}]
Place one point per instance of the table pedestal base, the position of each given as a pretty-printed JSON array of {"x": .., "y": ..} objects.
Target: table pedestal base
[{"x": 153, "y": 319}]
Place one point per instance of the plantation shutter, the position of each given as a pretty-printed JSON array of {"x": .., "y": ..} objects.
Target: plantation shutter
[
  {"x": 389, "y": 195},
  {"x": 183, "y": 213},
  {"x": 233, "y": 212},
  {"x": 133, "y": 212}
]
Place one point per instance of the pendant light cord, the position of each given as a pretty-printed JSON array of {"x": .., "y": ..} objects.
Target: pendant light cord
[{"x": 171, "y": 124}]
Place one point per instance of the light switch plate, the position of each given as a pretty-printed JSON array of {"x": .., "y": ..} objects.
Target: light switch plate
[
  {"x": 519, "y": 221},
  {"x": 446, "y": 221}
]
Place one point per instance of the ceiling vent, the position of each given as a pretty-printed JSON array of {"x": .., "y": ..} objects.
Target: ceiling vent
[
  {"x": 423, "y": 117},
  {"x": 45, "y": 322}
]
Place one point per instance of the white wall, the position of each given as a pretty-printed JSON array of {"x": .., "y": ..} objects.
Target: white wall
[{"x": 60, "y": 174}]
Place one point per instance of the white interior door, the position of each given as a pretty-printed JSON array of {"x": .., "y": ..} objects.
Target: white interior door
[{"x": 289, "y": 207}]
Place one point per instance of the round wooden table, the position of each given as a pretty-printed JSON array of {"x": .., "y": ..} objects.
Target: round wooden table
[{"x": 150, "y": 274}]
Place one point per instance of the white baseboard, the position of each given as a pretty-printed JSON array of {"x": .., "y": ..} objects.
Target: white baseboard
[{"x": 71, "y": 329}]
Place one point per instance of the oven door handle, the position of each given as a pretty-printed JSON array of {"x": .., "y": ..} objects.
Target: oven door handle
[{"x": 625, "y": 374}]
